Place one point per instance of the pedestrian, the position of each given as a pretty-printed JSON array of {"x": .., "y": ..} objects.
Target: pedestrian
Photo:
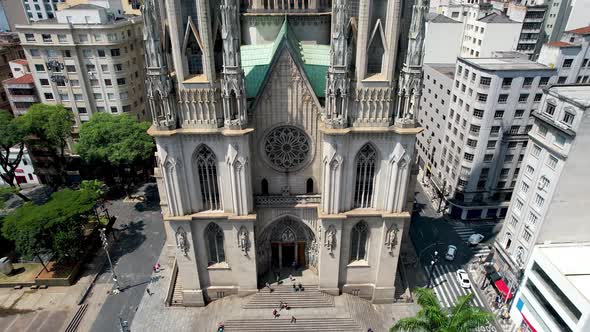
[
  {"x": 277, "y": 277},
  {"x": 294, "y": 288},
  {"x": 274, "y": 313},
  {"x": 281, "y": 306},
  {"x": 291, "y": 277},
  {"x": 293, "y": 319},
  {"x": 268, "y": 286},
  {"x": 148, "y": 291},
  {"x": 300, "y": 287}
]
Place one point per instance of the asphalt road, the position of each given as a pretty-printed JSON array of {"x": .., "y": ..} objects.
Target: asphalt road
[{"x": 134, "y": 253}]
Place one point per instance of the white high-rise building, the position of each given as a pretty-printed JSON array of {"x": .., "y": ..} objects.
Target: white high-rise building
[
  {"x": 549, "y": 199},
  {"x": 570, "y": 56},
  {"x": 88, "y": 60},
  {"x": 486, "y": 132}
]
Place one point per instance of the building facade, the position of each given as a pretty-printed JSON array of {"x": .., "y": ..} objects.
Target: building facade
[
  {"x": 25, "y": 173},
  {"x": 488, "y": 33},
  {"x": 283, "y": 139},
  {"x": 10, "y": 49},
  {"x": 486, "y": 132},
  {"x": 532, "y": 16},
  {"x": 547, "y": 196},
  {"x": 20, "y": 90},
  {"x": 554, "y": 295},
  {"x": 92, "y": 64},
  {"x": 570, "y": 56},
  {"x": 443, "y": 39},
  {"x": 37, "y": 10}
]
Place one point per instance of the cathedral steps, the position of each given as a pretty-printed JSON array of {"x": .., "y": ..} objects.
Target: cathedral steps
[
  {"x": 177, "y": 295},
  {"x": 283, "y": 324},
  {"x": 311, "y": 297}
]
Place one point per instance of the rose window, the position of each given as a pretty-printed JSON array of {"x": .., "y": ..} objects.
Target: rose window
[{"x": 286, "y": 147}]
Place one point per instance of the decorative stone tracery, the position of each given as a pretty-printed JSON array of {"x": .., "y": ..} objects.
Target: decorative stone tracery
[{"x": 287, "y": 148}]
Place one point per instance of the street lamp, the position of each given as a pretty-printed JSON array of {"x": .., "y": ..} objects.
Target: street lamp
[
  {"x": 105, "y": 245},
  {"x": 432, "y": 264}
]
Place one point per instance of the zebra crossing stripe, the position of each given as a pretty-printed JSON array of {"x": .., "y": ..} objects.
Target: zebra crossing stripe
[
  {"x": 448, "y": 287},
  {"x": 439, "y": 288}
]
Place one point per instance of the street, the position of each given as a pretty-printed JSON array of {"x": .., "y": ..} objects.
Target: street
[
  {"x": 432, "y": 234},
  {"x": 133, "y": 253}
]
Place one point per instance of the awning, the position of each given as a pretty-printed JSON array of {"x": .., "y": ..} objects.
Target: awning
[{"x": 503, "y": 289}]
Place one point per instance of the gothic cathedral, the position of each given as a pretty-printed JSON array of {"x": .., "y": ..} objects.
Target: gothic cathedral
[{"x": 285, "y": 134}]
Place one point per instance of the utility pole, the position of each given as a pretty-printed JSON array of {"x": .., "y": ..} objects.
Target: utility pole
[
  {"x": 123, "y": 325},
  {"x": 105, "y": 245},
  {"x": 443, "y": 193},
  {"x": 432, "y": 264}
]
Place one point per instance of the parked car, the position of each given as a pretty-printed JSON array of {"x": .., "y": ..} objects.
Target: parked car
[
  {"x": 463, "y": 278},
  {"x": 475, "y": 239},
  {"x": 451, "y": 250}
]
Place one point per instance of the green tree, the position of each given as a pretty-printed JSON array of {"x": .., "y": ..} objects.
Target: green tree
[
  {"x": 462, "y": 317},
  {"x": 55, "y": 227},
  {"x": 12, "y": 135},
  {"x": 93, "y": 185},
  {"x": 118, "y": 139},
  {"x": 52, "y": 124}
]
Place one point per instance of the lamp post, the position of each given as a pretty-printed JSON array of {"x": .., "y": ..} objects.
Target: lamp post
[
  {"x": 432, "y": 264},
  {"x": 105, "y": 245}
]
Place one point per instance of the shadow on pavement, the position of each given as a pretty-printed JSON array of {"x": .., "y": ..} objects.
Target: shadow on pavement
[
  {"x": 128, "y": 240},
  {"x": 151, "y": 197}
]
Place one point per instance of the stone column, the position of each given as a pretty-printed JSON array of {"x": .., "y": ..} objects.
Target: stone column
[
  {"x": 188, "y": 276},
  {"x": 387, "y": 262}
]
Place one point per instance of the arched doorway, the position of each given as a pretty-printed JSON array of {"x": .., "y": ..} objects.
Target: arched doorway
[{"x": 283, "y": 242}]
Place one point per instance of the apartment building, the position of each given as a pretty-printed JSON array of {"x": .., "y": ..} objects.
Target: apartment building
[
  {"x": 20, "y": 90},
  {"x": 434, "y": 108},
  {"x": 554, "y": 294},
  {"x": 442, "y": 39},
  {"x": 486, "y": 132},
  {"x": 531, "y": 16},
  {"x": 548, "y": 201},
  {"x": 492, "y": 32},
  {"x": 570, "y": 55},
  {"x": 40, "y": 10},
  {"x": 25, "y": 172},
  {"x": 88, "y": 60},
  {"x": 10, "y": 49},
  {"x": 578, "y": 16},
  {"x": 116, "y": 6}
]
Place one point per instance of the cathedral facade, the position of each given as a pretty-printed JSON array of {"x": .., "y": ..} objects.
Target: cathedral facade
[{"x": 285, "y": 136}]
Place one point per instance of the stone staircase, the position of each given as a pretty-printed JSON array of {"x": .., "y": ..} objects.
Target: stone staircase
[
  {"x": 311, "y": 297},
  {"x": 284, "y": 325},
  {"x": 177, "y": 295}
]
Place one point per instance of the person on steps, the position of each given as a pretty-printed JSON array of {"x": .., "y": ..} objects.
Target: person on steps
[{"x": 293, "y": 319}]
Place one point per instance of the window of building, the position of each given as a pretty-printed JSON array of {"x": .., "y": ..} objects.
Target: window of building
[
  {"x": 543, "y": 81},
  {"x": 508, "y": 159},
  {"x": 519, "y": 114},
  {"x": 477, "y": 113},
  {"x": 98, "y": 37},
  {"x": 64, "y": 97},
  {"x": 468, "y": 156},
  {"x": 513, "y": 221},
  {"x": 559, "y": 140},
  {"x": 518, "y": 205},
  {"x": 536, "y": 150},
  {"x": 538, "y": 97},
  {"x": 40, "y": 68},
  {"x": 567, "y": 63},
  {"x": 568, "y": 118},
  {"x": 504, "y": 172},
  {"x": 114, "y": 109},
  {"x": 514, "y": 130},
  {"x": 561, "y": 79},
  {"x": 474, "y": 129},
  {"x": 111, "y": 96},
  {"x": 121, "y": 81},
  {"x": 502, "y": 98},
  {"x": 482, "y": 97},
  {"x": 488, "y": 157},
  {"x": 543, "y": 182},
  {"x": 48, "y": 95},
  {"x": 118, "y": 67},
  {"x": 67, "y": 53},
  {"x": 44, "y": 81},
  {"x": 115, "y": 52},
  {"x": 365, "y": 177},
  {"x": 214, "y": 239},
  {"x": 83, "y": 38},
  {"x": 98, "y": 96},
  {"x": 124, "y": 95},
  {"x": 552, "y": 162},
  {"x": 524, "y": 187},
  {"x": 78, "y": 97},
  {"x": 101, "y": 53},
  {"x": 528, "y": 81},
  {"x": 498, "y": 114},
  {"x": 539, "y": 200},
  {"x": 82, "y": 110},
  {"x": 506, "y": 82},
  {"x": 526, "y": 235},
  {"x": 495, "y": 130},
  {"x": 542, "y": 131},
  {"x": 471, "y": 142},
  {"x": 90, "y": 67},
  {"x": 485, "y": 81},
  {"x": 523, "y": 98},
  {"x": 491, "y": 144},
  {"x": 206, "y": 164},
  {"x": 93, "y": 82},
  {"x": 358, "y": 241},
  {"x": 530, "y": 170},
  {"x": 46, "y": 38},
  {"x": 30, "y": 37},
  {"x": 108, "y": 82}
]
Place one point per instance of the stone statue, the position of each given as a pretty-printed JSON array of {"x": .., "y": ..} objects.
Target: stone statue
[
  {"x": 330, "y": 241},
  {"x": 181, "y": 240},
  {"x": 391, "y": 238},
  {"x": 243, "y": 240},
  {"x": 151, "y": 34}
]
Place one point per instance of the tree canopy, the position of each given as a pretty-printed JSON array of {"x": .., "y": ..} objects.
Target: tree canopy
[
  {"x": 54, "y": 227},
  {"x": 50, "y": 123},
  {"x": 12, "y": 135},
  {"x": 462, "y": 317},
  {"x": 118, "y": 139}
]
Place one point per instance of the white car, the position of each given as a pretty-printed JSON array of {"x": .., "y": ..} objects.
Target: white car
[
  {"x": 475, "y": 239},
  {"x": 451, "y": 250},
  {"x": 463, "y": 278}
]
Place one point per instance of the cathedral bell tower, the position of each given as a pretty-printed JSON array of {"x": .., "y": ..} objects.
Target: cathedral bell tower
[
  {"x": 337, "y": 85},
  {"x": 410, "y": 81},
  {"x": 160, "y": 89},
  {"x": 232, "y": 83}
]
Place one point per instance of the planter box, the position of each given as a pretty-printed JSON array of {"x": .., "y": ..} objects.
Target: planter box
[{"x": 63, "y": 281}]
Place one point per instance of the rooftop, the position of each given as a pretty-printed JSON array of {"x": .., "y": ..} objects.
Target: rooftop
[
  {"x": 25, "y": 79},
  {"x": 84, "y": 6},
  {"x": 439, "y": 18},
  {"x": 509, "y": 63},
  {"x": 565, "y": 258},
  {"x": 578, "y": 93},
  {"x": 443, "y": 68},
  {"x": 20, "y": 61},
  {"x": 580, "y": 31},
  {"x": 496, "y": 18}
]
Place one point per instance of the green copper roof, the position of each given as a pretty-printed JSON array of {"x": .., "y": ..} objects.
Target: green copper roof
[{"x": 314, "y": 59}]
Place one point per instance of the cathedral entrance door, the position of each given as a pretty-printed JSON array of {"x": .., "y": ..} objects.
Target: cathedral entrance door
[
  {"x": 301, "y": 254},
  {"x": 287, "y": 254}
]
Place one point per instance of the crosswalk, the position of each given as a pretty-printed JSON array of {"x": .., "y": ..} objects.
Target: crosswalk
[
  {"x": 464, "y": 232},
  {"x": 447, "y": 287}
]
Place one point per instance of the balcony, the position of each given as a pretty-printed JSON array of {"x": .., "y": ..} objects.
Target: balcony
[
  {"x": 24, "y": 98},
  {"x": 285, "y": 201}
]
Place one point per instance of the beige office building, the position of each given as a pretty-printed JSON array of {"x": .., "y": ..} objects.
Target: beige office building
[{"x": 89, "y": 59}]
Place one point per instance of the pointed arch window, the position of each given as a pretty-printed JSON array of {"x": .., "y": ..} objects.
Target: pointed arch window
[
  {"x": 358, "y": 241},
  {"x": 206, "y": 164},
  {"x": 214, "y": 238},
  {"x": 264, "y": 186},
  {"x": 365, "y": 177},
  {"x": 309, "y": 186},
  {"x": 376, "y": 50}
]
